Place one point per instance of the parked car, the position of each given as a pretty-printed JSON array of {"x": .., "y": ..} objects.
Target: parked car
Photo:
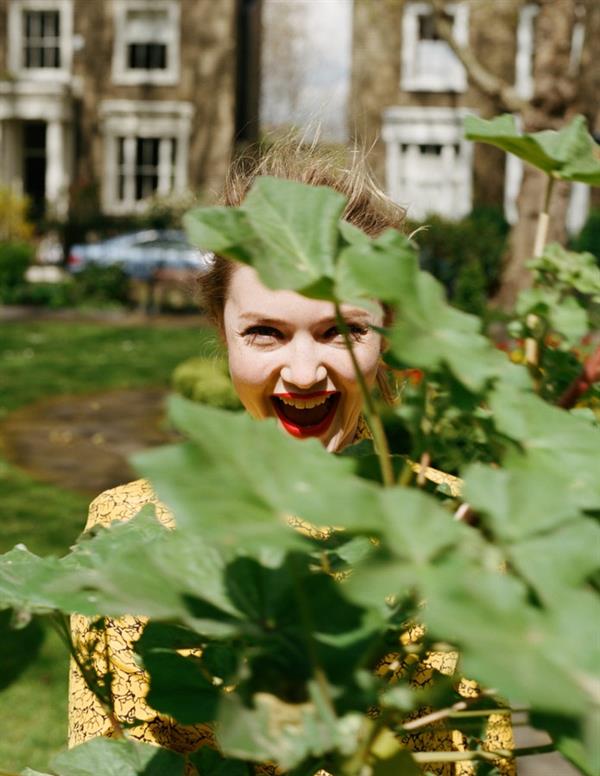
[{"x": 142, "y": 254}]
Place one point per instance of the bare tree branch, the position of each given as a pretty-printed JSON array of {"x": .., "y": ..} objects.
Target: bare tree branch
[{"x": 496, "y": 88}]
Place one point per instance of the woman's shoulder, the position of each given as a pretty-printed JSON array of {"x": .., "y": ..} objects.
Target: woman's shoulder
[{"x": 124, "y": 502}]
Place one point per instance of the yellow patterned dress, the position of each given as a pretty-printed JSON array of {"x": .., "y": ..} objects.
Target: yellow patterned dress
[{"x": 113, "y": 652}]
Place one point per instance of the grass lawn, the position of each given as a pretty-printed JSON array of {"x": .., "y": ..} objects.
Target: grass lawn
[{"x": 39, "y": 360}]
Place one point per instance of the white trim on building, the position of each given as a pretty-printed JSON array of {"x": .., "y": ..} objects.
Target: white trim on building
[
  {"x": 43, "y": 46},
  {"x": 52, "y": 104},
  {"x": 429, "y": 164},
  {"x": 147, "y": 42},
  {"x": 525, "y": 50},
  {"x": 428, "y": 64},
  {"x": 146, "y": 147}
]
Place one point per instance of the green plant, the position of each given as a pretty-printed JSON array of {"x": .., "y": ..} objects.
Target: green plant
[
  {"x": 288, "y": 647},
  {"x": 15, "y": 258},
  {"x": 96, "y": 284},
  {"x": 206, "y": 380},
  {"x": 464, "y": 255},
  {"x": 14, "y": 223},
  {"x": 589, "y": 237}
]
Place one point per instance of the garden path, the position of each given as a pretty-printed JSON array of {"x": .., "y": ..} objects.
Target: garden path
[{"x": 83, "y": 442}]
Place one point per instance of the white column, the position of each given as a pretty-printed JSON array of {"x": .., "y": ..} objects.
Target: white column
[
  {"x": 55, "y": 167},
  {"x": 181, "y": 160},
  {"x": 164, "y": 166},
  {"x": 129, "y": 165},
  {"x": 392, "y": 168}
]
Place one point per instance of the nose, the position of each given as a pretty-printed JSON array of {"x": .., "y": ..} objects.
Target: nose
[{"x": 303, "y": 367}]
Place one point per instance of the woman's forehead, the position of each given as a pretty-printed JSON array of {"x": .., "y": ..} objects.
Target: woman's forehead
[{"x": 249, "y": 299}]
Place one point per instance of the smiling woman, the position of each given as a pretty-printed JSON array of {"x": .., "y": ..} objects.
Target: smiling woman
[{"x": 289, "y": 360}]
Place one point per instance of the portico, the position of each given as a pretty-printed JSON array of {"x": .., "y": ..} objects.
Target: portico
[{"x": 36, "y": 142}]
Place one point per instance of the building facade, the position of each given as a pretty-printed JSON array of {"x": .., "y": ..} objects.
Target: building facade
[
  {"x": 141, "y": 97},
  {"x": 410, "y": 94}
]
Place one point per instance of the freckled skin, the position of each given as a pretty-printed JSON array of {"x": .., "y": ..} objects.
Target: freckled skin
[{"x": 282, "y": 342}]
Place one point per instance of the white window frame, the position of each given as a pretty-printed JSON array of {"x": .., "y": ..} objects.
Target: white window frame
[
  {"x": 15, "y": 40},
  {"x": 131, "y": 119},
  {"x": 121, "y": 73},
  {"x": 449, "y": 191},
  {"x": 411, "y": 80},
  {"x": 525, "y": 50}
]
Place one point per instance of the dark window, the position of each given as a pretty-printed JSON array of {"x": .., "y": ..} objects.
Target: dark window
[
  {"x": 121, "y": 171},
  {"x": 427, "y": 27},
  {"x": 41, "y": 39},
  {"x": 34, "y": 165},
  {"x": 147, "y": 56},
  {"x": 430, "y": 149},
  {"x": 146, "y": 166}
]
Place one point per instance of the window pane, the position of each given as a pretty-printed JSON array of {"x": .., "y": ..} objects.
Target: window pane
[
  {"x": 146, "y": 167},
  {"x": 41, "y": 39}
]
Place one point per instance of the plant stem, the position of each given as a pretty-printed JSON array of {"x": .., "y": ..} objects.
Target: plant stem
[
  {"x": 372, "y": 416},
  {"x": 480, "y": 754},
  {"x": 532, "y": 350}
]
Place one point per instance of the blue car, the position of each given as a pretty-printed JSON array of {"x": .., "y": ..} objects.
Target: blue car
[{"x": 142, "y": 254}]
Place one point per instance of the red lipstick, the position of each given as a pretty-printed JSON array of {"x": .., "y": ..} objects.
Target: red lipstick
[{"x": 310, "y": 422}]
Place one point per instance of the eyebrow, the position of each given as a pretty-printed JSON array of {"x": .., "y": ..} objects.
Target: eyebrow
[{"x": 355, "y": 314}]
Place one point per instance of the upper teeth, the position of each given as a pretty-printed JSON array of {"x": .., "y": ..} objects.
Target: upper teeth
[{"x": 304, "y": 404}]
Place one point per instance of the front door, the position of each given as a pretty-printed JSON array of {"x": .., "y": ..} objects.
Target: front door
[{"x": 34, "y": 166}]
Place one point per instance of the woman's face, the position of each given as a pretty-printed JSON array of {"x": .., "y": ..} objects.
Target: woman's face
[{"x": 288, "y": 360}]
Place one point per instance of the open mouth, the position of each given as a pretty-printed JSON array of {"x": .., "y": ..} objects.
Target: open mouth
[{"x": 306, "y": 415}]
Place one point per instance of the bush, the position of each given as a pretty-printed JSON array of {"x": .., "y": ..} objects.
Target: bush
[
  {"x": 465, "y": 255},
  {"x": 589, "y": 237},
  {"x": 13, "y": 216},
  {"x": 15, "y": 258},
  {"x": 101, "y": 285},
  {"x": 56, "y": 296},
  {"x": 206, "y": 380}
]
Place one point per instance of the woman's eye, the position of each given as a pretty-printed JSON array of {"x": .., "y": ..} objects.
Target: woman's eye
[
  {"x": 262, "y": 333},
  {"x": 354, "y": 330}
]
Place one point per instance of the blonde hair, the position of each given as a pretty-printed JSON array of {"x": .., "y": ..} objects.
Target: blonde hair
[{"x": 367, "y": 207}]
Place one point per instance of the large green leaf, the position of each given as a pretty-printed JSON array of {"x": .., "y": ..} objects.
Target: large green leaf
[
  {"x": 429, "y": 333},
  {"x": 120, "y": 757},
  {"x": 241, "y": 479},
  {"x": 569, "y": 153},
  {"x": 180, "y": 687},
  {"x": 518, "y": 503},
  {"x": 504, "y": 642},
  {"x": 284, "y": 733},
  {"x": 559, "y": 562},
  {"x": 553, "y": 441},
  {"x": 223, "y": 230}
]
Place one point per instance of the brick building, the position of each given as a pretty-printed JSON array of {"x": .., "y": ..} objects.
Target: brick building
[
  {"x": 142, "y": 97},
  {"x": 410, "y": 93}
]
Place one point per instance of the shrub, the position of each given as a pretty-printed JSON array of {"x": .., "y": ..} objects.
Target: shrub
[
  {"x": 56, "y": 296},
  {"x": 15, "y": 258},
  {"x": 206, "y": 380},
  {"x": 101, "y": 285},
  {"x": 589, "y": 237},
  {"x": 14, "y": 224},
  {"x": 464, "y": 255}
]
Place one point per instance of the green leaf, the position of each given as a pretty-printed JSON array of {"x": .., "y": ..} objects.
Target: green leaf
[
  {"x": 297, "y": 226},
  {"x": 223, "y": 230},
  {"x": 428, "y": 333},
  {"x": 283, "y": 733},
  {"x": 416, "y": 528},
  {"x": 503, "y": 641},
  {"x": 117, "y": 757},
  {"x": 209, "y": 762},
  {"x": 180, "y": 687},
  {"x": 242, "y": 479},
  {"x": 570, "y": 153},
  {"x": 558, "y": 443},
  {"x": 558, "y": 562},
  {"x": 518, "y": 503}
]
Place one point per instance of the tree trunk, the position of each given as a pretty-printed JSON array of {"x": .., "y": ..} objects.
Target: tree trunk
[{"x": 553, "y": 103}]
